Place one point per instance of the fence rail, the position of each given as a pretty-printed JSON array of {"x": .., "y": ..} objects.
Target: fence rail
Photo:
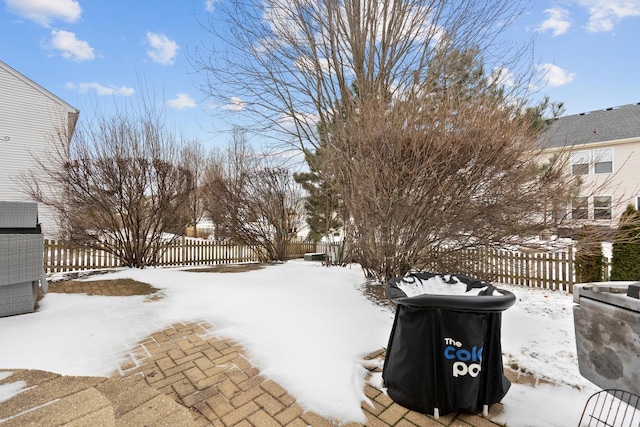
[
  {"x": 63, "y": 257},
  {"x": 548, "y": 270},
  {"x": 541, "y": 269}
]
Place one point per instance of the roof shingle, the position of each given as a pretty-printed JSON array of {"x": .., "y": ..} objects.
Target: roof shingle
[{"x": 596, "y": 126}]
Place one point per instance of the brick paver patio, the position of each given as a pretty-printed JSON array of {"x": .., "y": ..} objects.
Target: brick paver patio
[
  {"x": 183, "y": 375},
  {"x": 215, "y": 381}
]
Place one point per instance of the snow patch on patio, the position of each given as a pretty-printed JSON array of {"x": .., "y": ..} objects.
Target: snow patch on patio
[{"x": 305, "y": 326}]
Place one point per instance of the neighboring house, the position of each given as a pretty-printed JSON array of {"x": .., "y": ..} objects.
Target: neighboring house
[
  {"x": 31, "y": 120},
  {"x": 605, "y": 153}
]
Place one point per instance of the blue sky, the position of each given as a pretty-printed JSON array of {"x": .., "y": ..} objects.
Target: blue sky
[{"x": 95, "y": 53}]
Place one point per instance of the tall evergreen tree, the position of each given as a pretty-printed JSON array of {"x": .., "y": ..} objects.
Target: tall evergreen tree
[
  {"x": 626, "y": 247},
  {"x": 589, "y": 262},
  {"x": 417, "y": 109},
  {"x": 322, "y": 204}
]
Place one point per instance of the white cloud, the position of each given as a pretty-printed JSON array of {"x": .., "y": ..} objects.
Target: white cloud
[
  {"x": 181, "y": 101},
  {"x": 605, "y": 14},
  {"x": 100, "y": 89},
  {"x": 502, "y": 77},
  {"x": 311, "y": 66},
  {"x": 43, "y": 12},
  {"x": 71, "y": 48},
  {"x": 289, "y": 121},
  {"x": 435, "y": 33},
  {"x": 235, "y": 104},
  {"x": 555, "y": 76},
  {"x": 420, "y": 23},
  {"x": 163, "y": 50},
  {"x": 210, "y": 5},
  {"x": 558, "y": 21}
]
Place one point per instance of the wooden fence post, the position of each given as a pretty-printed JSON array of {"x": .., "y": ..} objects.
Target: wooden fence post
[
  {"x": 45, "y": 256},
  {"x": 552, "y": 270},
  {"x": 571, "y": 268}
]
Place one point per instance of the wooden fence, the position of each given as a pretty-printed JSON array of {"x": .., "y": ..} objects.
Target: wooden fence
[
  {"x": 548, "y": 270},
  {"x": 62, "y": 257}
]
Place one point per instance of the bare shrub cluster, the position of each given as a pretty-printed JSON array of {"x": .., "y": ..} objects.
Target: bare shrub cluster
[
  {"x": 120, "y": 186},
  {"x": 415, "y": 114},
  {"x": 128, "y": 185},
  {"x": 251, "y": 201}
]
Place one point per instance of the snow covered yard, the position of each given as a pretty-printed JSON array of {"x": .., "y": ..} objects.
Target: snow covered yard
[{"x": 303, "y": 325}]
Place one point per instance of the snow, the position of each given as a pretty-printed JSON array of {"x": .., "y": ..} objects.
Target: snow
[
  {"x": 9, "y": 390},
  {"x": 304, "y": 325},
  {"x": 437, "y": 285},
  {"x": 538, "y": 338}
]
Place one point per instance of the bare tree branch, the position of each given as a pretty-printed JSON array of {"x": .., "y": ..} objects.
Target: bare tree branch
[
  {"x": 418, "y": 109},
  {"x": 124, "y": 186},
  {"x": 252, "y": 202}
]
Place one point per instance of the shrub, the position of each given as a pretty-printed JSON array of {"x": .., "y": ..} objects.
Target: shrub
[
  {"x": 589, "y": 261},
  {"x": 626, "y": 247}
]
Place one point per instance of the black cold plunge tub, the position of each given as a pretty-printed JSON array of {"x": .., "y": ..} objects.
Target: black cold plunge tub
[{"x": 444, "y": 353}]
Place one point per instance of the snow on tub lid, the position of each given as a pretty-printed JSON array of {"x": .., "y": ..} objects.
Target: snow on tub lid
[{"x": 456, "y": 292}]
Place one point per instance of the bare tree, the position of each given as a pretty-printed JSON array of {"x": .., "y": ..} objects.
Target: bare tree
[
  {"x": 225, "y": 180},
  {"x": 124, "y": 186},
  {"x": 194, "y": 159},
  {"x": 252, "y": 202},
  {"x": 462, "y": 171},
  {"x": 418, "y": 108},
  {"x": 290, "y": 65}
]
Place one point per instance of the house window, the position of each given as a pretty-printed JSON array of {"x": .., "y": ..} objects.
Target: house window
[
  {"x": 603, "y": 160},
  {"x": 580, "y": 208},
  {"x": 602, "y": 207},
  {"x": 580, "y": 163}
]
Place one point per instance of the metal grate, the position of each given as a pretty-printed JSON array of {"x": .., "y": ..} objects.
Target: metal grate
[{"x": 611, "y": 408}]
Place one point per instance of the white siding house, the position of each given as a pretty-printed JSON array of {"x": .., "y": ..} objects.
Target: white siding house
[
  {"x": 605, "y": 153},
  {"x": 31, "y": 117}
]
